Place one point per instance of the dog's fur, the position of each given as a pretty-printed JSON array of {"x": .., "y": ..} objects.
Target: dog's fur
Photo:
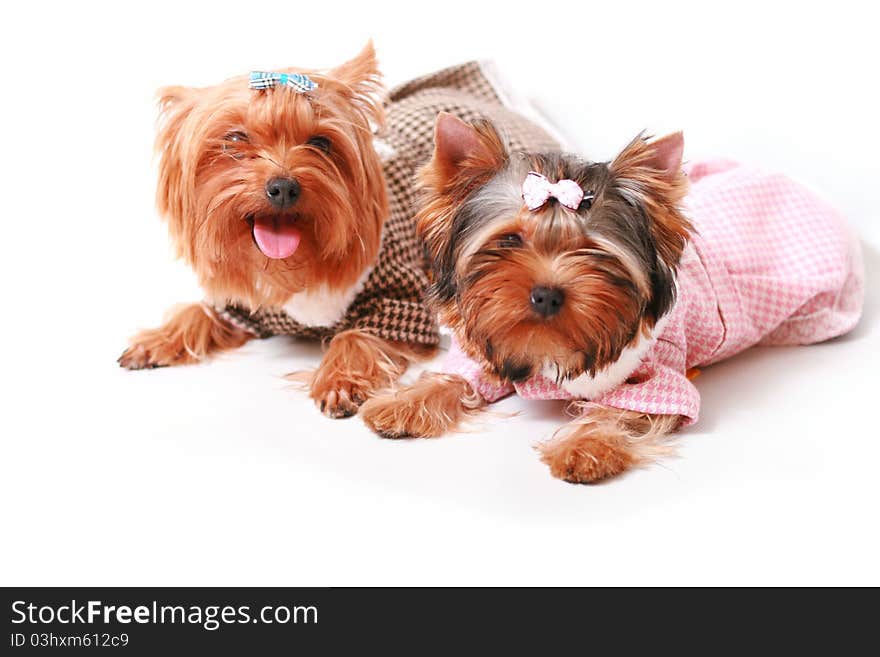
[
  {"x": 219, "y": 146},
  {"x": 614, "y": 260}
]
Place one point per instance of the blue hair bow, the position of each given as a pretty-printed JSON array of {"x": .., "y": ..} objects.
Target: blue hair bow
[{"x": 299, "y": 82}]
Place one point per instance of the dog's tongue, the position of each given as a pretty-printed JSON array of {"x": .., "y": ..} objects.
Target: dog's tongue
[{"x": 276, "y": 237}]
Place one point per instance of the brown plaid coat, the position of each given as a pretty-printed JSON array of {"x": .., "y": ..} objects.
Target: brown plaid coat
[{"x": 390, "y": 303}]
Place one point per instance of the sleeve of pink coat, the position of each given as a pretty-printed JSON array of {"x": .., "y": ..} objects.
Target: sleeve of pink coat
[
  {"x": 659, "y": 386},
  {"x": 457, "y": 362}
]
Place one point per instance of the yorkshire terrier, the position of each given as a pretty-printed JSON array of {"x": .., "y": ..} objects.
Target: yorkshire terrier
[
  {"x": 275, "y": 195},
  {"x": 568, "y": 279}
]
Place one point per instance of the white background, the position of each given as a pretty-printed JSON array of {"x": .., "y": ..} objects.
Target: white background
[{"x": 220, "y": 474}]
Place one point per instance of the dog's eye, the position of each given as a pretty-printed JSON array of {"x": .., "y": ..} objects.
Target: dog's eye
[
  {"x": 321, "y": 143},
  {"x": 232, "y": 141},
  {"x": 510, "y": 241},
  {"x": 587, "y": 202},
  {"x": 236, "y": 136}
]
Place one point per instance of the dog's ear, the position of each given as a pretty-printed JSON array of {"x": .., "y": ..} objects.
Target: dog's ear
[
  {"x": 455, "y": 141},
  {"x": 174, "y": 145},
  {"x": 665, "y": 155},
  {"x": 362, "y": 67},
  {"x": 465, "y": 157},
  {"x": 361, "y": 82},
  {"x": 648, "y": 174},
  {"x": 645, "y": 158}
]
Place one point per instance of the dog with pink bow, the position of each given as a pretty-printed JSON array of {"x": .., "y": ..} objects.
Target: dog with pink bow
[{"x": 608, "y": 284}]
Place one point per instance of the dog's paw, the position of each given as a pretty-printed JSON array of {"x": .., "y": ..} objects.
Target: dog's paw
[
  {"x": 190, "y": 333},
  {"x": 434, "y": 405},
  {"x": 392, "y": 417},
  {"x": 338, "y": 398},
  {"x": 149, "y": 351},
  {"x": 584, "y": 460},
  {"x": 137, "y": 357}
]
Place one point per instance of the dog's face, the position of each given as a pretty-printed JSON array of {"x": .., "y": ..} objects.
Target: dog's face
[
  {"x": 552, "y": 286},
  {"x": 274, "y": 191}
]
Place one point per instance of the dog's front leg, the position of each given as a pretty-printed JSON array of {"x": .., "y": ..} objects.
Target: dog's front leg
[
  {"x": 189, "y": 333},
  {"x": 432, "y": 406},
  {"x": 604, "y": 442},
  {"x": 355, "y": 366}
]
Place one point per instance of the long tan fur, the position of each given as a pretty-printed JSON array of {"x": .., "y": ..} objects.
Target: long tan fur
[
  {"x": 434, "y": 405},
  {"x": 602, "y": 442},
  {"x": 356, "y": 365},
  {"x": 189, "y": 334}
]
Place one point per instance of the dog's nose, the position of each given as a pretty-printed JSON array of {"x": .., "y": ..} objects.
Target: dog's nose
[
  {"x": 282, "y": 192},
  {"x": 546, "y": 301}
]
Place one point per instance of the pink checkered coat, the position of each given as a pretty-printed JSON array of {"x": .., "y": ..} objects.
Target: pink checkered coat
[{"x": 770, "y": 264}]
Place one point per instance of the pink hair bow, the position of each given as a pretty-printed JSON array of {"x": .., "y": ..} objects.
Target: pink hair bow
[{"x": 537, "y": 190}]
